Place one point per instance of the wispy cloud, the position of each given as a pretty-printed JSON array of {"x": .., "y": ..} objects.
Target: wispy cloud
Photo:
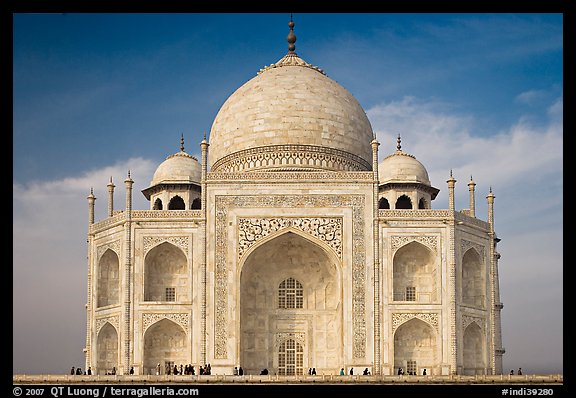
[{"x": 50, "y": 222}]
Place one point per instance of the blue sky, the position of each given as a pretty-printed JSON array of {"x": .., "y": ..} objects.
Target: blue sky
[{"x": 96, "y": 95}]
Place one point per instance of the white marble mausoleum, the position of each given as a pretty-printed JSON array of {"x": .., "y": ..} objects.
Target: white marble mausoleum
[{"x": 289, "y": 246}]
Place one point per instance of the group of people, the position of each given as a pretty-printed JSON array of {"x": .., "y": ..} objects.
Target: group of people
[
  {"x": 519, "y": 372},
  {"x": 366, "y": 372},
  {"x": 238, "y": 371},
  {"x": 78, "y": 371},
  {"x": 411, "y": 373},
  {"x": 184, "y": 370}
]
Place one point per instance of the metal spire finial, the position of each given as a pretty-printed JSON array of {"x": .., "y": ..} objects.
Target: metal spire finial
[
  {"x": 182, "y": 143},
  {"x": 291, "y": 36},
  {"x": 398, "y": 140}
]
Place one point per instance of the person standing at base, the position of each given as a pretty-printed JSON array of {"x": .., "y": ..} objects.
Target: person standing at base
[
  {"x": 351, "y": 371},
  {"x": 519, "y": 371},
  {"x": 341, "y": 371}
]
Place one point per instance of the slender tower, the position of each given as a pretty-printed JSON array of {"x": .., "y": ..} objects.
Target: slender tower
[
  {"x": 127, "y": 275},
  {"x": 87, "y": 356}
]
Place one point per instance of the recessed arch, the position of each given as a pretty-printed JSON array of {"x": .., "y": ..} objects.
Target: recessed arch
[
  {"x": 165, "y": 343},
  {"x": 415, "y": 347},
  {"x": 166, "y": 274},
  {"x": 108, "y": 283},
  {"x": 474, "y": 345},
  {"x": 414, "y": 274},
  {"x": 284, "y": 256},
  {"x": 473, "y": 279},
  {"x": 107, "y": 349}
]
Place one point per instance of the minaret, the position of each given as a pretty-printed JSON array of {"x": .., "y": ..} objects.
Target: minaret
[
  {"x": 127, "y": 275},
  {"x": 91, "y": 199},
  {"x": 110, "y": 197},
  {"x": 376, "y": 250},
  {"x": 471, "y": 186},
  {"x": 90, "y": 240},
  {"x": 204, "y": 147},
  {"x": 451, "y": 183},
  {"x": 495, "y": 305}
]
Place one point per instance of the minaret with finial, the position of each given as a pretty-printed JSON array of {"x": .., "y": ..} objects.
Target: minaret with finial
[
  {"x": 111, "y": 187},
  {"x": 471, "y": 186},
  {"x": 451, "y": 184}
]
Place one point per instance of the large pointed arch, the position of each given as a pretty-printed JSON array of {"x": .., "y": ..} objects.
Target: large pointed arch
[
  {"x": 166, "y": 274},
  {"x": 473, "y": 279},
  {"x": 415, "y": 274},
  {"x": 309, "y": 262},
  {"x": 416, "y": 347},
  {"x": 165, "y": 343},
  {"x": 474, "y": 350},
  {"x": 107, "y": 350},
  {"x": 108, "y": 279}
]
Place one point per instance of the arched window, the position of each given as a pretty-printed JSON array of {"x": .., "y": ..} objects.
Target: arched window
[
  {"x": 290, "y": 294},
  {"x": 403, "y": 202},
  {"x": 157, "y": 204},
  {"x": 422, "y": 204},
  {"x": 196, "y": 204},
  {"x": 176, "y": 203},
  {"x": 290, "y": 358},
  {"x": 383, "y": 203}
]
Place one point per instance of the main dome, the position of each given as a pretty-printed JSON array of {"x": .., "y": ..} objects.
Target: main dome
[{"x": 290, "y": 116}]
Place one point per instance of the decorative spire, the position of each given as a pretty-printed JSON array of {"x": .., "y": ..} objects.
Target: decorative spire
[
  {"x": 291, "y": 37},
  {"x": 398, "y": 146},
  {"x": 182, "y": 143}
]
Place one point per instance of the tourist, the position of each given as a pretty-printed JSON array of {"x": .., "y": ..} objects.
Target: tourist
[
  {"x": 72, "y": 371},
  {"x": 240, "y": 371},
  {"x": 235, "y": 371},
  {"x": 341, "y": 371},
  {"x": 351, "y": 371},
  {"x": 89, "y": 370},
  {"x": 519, "y": 371},
  {"x": 131, "y": 370},
  {"x": 424, "y": 372},
  {"x": 313, "y": 371},
  {"x": 511, "y": 372}
]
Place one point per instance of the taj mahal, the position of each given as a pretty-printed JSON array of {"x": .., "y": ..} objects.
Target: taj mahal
[{"x": 288, "y": 246}]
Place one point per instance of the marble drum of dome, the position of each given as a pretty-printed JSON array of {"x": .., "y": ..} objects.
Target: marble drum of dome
[{"x": 291, "y": 116}]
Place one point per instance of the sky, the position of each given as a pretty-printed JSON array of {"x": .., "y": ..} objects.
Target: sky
[{"x": 96, "y": 95}]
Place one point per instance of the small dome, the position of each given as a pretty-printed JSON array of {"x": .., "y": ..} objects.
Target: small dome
[
  {"x": 178, "y": 168},
  {"x": 402, "y": 167}
]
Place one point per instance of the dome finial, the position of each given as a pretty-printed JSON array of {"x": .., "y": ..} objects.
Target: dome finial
[
  {"x": 182, "y": 142},
  {"x": 398, "y": 146},
  {"x": 291, "y": 36}
]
